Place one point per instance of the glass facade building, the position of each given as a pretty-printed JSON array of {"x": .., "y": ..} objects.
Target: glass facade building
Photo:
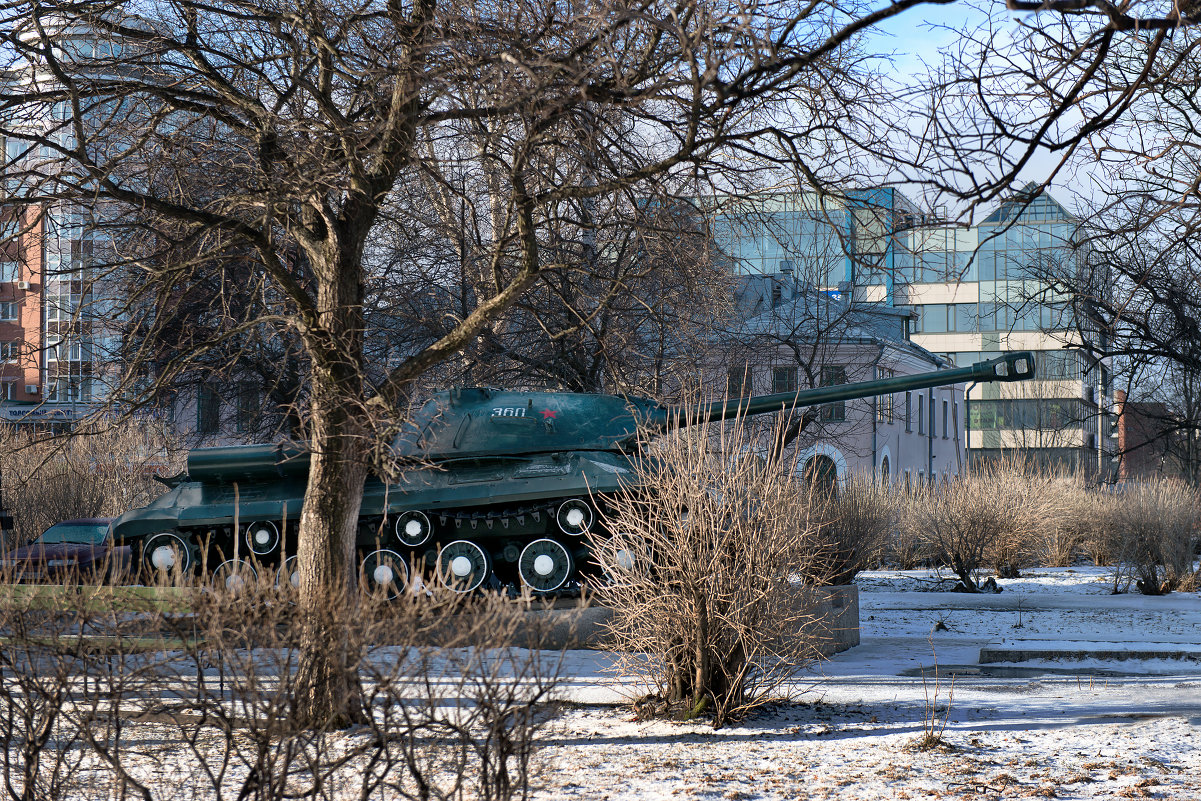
[
  {"x": 825, "y": 242},
  {"x": 973, "y": 291}
]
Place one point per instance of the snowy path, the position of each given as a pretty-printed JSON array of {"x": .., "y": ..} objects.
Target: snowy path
[{"x": 1069, "y": 730}]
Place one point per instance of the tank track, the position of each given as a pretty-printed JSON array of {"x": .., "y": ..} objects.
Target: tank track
[
  {"x": 514, "y": 547},
  {"x": 516, "y": 515}
]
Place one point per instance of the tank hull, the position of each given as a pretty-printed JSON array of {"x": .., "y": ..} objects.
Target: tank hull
[{"x": 502, "y": 504}]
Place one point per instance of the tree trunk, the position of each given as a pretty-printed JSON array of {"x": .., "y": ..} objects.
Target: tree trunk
[
  {"x": 328, "y": 693},
  {"x": 327, "y": 687}
]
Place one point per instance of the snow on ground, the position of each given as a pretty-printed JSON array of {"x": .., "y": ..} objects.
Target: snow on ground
[{"x": 1068, "y": 729}]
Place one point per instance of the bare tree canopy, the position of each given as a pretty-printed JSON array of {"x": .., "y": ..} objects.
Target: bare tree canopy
[
  {"x": 269, "y": 143},
  {"x": 285, "y": 167}
]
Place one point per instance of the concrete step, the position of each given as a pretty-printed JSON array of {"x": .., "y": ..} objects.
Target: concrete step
[{"x": 1026, "y": 650}]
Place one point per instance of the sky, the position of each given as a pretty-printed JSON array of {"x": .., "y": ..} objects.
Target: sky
[{"x": 921, "y": 35}]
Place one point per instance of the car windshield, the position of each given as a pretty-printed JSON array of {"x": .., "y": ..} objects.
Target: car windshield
[{"x": 81, "y": 533}]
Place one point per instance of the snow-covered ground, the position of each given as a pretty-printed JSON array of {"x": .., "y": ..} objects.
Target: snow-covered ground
[{"x": 1069, "y": 729}]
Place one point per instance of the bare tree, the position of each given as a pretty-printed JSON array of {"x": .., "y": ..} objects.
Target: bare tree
[{"x": 281, "y": 138}]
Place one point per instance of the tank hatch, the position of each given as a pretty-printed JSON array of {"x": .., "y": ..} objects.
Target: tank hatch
[{"x": 466, "y": 423}]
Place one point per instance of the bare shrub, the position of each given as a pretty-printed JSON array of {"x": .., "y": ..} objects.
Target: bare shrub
[
  {"x": 1151, "y": 531},
  {"x": 1062, "y": 532},
  {"x": 908, "y": 547},
  {"x": 857, "y": 523},
  {"x": 39, "y": 748},
  {"x": 68, "y": 662},
  {"x": 704, "y": 562},
  {"x": 99, "y": 472},
  {"x": 1039, "y": 524},
  {"x": 984, "y": 518},
  {"x": 934, "y": 721},
  {"x": 453, "y": 707}
]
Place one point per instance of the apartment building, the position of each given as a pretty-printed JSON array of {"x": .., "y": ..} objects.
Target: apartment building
[
  {"x": 57, "y": 332},
  {"x": 50, "y": 321}
]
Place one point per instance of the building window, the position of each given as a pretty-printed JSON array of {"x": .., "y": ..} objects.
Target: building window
[
  {"x": 9, "y": 271},
  {"x": 944, "y": 419},
  {"x": 832, "y": 376},
  {"x": 62, "y": 307},
  {"x": 738, "y": 381},
  {"x": 962, "y": 317},
  {"x": 248, "y": 407},
  {"x": 908, "y": 407},
  {"x": 783, "y": 379},
  {"x": 63, "y": 390},
  {"x": 885, "y": 404},
  {"x": 6, "y": 389},
  {"x": 821, "y": 473},
  {"x": 921, "y": 414},
  {"x": 933, "y": 318},
  {"x": 9, "y": 311},
  {"x": 208, "y": 411},
  {"x": 10, "y": 351}
]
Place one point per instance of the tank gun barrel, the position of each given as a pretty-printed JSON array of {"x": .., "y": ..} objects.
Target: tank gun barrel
[{"x": 1017, "y": 366}]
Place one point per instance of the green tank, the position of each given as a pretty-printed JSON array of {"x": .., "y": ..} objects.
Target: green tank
[{"x": 499, "y": 489}]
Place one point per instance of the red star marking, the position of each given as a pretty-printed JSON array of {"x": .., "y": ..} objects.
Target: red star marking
[{"x": 547, "y": 414}]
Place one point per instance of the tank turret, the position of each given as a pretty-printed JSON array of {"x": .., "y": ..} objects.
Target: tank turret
[{"x": 497, "y": 488}]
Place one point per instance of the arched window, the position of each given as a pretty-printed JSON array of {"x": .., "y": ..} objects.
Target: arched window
[
  {"x": 822, "y": 473},
  {"x": 884, "y": 477}
]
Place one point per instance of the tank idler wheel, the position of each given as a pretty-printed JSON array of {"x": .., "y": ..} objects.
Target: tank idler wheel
[
  {"x": 574, "y": 517},
  {"x": 166, "y": 554},
  {"x": 262, "y": 537},
  {"x": 234, "y": 574},
  {"x": 413, "y": 528},
  {"x": 545, "y": 565},
  {"x": 288, "y": 575},
  {"x": 463, "y": 566},
  {"x": 385, "y": 572}
]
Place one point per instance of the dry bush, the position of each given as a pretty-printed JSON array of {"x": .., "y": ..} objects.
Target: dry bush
[
  {"x": 1063, "y": 532},
  {"x": 857, "y": 524},
  {"x": 100, "y": 471},
  {"x": 158, "y": 702},
  {"x": 704, "y": 565},
  {"x": 908, "y": 547},
  {"x": 984, "y": 518},
  {"x": 1056, "y": 518},
  {"x": 1150, "y": 529},
  {"x": 1097, "y": 541}
]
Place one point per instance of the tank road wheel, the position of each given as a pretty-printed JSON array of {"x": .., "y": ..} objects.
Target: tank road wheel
[
  {"x": 288, "y": 575},
  {"x": 624, "y": 557},
  {"x": 262, "y": 537},
  {"x": 234, "y": 574},
  {"x": 463, "y": 566},
  {"x": 574, "y": 517},
  {"x": 545, "y": 565},
  {"x": 413, "y": 528},
  {"x": 166, "y": 554},
  {"x": 385, "y": 572}
]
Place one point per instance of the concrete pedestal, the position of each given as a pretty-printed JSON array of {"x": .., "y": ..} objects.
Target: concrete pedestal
[{"x": 834, "y": 610}]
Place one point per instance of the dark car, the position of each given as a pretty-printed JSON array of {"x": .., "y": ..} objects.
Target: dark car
[{"x": 73, "y": 550}]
